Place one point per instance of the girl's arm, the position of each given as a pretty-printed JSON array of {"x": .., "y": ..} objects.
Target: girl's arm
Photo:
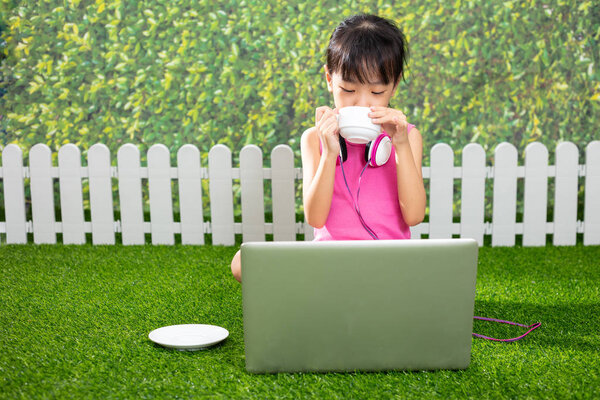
[
  {"x": 318, "y": 168},
  {"x": 411, "y": 192},
  {"x": 408, "y": 148}
]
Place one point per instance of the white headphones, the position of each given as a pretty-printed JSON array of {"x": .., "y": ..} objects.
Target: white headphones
[{"x": 377, "y": 152}]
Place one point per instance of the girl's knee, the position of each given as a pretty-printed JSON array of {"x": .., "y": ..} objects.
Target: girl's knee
[{"x": 236, "y": 266}]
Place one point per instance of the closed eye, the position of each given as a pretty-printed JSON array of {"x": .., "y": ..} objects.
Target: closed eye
[
  {"x": 378, "y": 92},
  {"x": 347, "y": 90}
]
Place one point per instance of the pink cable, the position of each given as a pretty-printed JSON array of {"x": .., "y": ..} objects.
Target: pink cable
[{"x": 532, "y": 328}]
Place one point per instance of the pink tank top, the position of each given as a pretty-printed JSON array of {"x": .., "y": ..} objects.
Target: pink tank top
[{"x": 378, "y": 201}]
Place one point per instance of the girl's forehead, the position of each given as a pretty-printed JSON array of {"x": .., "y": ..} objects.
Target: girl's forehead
[{"x": 351, "y": 80}]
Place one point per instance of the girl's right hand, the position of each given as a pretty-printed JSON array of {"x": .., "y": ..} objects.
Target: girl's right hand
[{"x": 328, "y": 130}]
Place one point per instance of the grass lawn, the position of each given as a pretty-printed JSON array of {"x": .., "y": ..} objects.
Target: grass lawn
[{"x": 74, "y": 323}]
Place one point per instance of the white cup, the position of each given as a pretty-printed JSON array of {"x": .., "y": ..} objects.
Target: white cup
[{"x": 356, "y": 126}]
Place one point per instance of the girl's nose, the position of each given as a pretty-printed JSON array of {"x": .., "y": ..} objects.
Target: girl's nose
[{"x": 363, "y": 101}]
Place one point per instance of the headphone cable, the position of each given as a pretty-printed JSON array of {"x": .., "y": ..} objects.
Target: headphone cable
[{"x": 356, "y": 208}]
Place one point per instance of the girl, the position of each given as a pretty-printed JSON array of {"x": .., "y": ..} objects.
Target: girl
[{"x": 365, "y": 61}]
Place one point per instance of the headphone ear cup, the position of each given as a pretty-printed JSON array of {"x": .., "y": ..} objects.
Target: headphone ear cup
[
  {"x": 343, "y": 151},
  {"x": 368, "y": 152},
  {"x": 378, "y": 152}
]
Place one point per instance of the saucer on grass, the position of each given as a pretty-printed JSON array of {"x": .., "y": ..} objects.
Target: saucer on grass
[{"x": 188, "y": 337}]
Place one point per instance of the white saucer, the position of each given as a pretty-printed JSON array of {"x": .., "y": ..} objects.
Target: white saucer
[{"x": 188, "y": 337}]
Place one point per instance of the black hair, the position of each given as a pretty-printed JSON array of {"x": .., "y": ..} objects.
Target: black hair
[{"x": 366, "y": 47}]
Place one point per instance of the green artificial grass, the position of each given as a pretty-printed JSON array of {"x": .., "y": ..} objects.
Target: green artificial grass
[{"x": 74, "y": 323}]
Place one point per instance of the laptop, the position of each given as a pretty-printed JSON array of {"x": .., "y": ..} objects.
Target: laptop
[{"x": 358, "y": 305}]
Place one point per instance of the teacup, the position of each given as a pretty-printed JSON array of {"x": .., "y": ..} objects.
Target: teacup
[{"x": 356, "y": 126}]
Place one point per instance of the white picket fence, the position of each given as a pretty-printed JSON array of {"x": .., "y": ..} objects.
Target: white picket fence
[{"x": 284, "y": 176}]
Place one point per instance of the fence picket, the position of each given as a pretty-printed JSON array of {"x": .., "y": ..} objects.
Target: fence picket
[
  {"x": 190, "y": 195},
  {"x": 283, "y": 193},
  {"x": 42, "y": 194},
  {"x": 536, "y": 195},
  {"x": 14, "y": 194},
  {"x": 505, "y": 195},
  {"x": 591, "y": 218},
  {"x": 101, "y": 198},
  {"x": 472, "y": 193},
  {"x": 441, "y": 188},
  {"x": 160, "y": 195},
  {"x": 71, "y": 195},
  {"x": 130, "y": 195},
  {"x": 417, "y": 230},
  {"x": 221, "y": 195},
  {"x": 309, "y": 231},
  {"x": 252, "y": 189},
  {"x": 565, "y": 194}
]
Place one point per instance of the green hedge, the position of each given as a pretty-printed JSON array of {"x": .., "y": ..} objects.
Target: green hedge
[{"x": 240, "y": 72}]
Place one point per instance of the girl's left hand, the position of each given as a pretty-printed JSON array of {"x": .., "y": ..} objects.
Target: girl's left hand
[{"x": 392, "y": 121}]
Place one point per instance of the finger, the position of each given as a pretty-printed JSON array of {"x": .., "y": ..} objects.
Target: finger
[
  {"x": 378, "y": 113},
  {"x": 327, "y": 118},
  {"x": 384, "y": 119},
  {"x": 401, "y": 125},
  {"x": 379, "y": 110},
  {"x": 326, "y": 115},
  {"x": 400, "y": 121},
  {"x": 330, "y": 126},
  {"x": 319, "y": 113},
  {"x": 325, "y": 126}
]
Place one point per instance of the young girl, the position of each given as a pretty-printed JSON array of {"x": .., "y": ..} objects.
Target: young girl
[{"x": 344, "y": 198}]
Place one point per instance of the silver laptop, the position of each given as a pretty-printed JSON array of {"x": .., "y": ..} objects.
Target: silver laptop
[{"x": 358, "y": 305}]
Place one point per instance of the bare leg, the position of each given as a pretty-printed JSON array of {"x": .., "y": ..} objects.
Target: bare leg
[{"x": 236, "y": 266}]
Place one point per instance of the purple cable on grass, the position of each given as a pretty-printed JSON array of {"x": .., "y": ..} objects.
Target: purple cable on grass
[{"x": 532, "y": 328}]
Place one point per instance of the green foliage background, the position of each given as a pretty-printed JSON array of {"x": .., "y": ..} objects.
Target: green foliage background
[{"x": 250, "y": 71}]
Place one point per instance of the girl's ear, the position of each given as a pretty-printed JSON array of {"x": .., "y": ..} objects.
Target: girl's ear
[{"x": 328, "y": 79}]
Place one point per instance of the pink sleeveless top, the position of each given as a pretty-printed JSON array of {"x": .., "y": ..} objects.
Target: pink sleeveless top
[{"x": 378, "y": 201}]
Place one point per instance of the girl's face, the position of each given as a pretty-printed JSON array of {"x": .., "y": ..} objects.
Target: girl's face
[{"x": 347, "y": 94}]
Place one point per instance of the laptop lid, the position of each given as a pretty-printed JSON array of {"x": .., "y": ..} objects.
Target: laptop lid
[{"x": 358, "y": 305}]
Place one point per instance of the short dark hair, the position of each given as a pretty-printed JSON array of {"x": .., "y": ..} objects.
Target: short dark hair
[{"x": 364, "y": 47}]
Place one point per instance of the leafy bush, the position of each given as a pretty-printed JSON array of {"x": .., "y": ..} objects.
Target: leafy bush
[{"x": 250, "y": 71}]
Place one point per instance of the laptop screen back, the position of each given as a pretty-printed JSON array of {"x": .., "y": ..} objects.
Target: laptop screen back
[{"x": 358, "y": 305}]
